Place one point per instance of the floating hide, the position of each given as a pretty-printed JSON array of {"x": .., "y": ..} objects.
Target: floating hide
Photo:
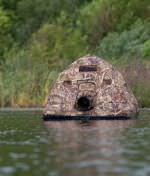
[{"x": 92, "y": 88}]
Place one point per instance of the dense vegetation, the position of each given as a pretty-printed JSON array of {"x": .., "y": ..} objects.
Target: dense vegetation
[{"x": 39, "y": 38}]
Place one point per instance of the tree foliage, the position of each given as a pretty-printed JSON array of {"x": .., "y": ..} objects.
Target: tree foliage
[
  {"x": 38, "y": 38},
  {"x": 127, "y": 43}
]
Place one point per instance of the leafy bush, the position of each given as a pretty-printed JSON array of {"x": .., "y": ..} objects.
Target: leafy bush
[
  {"x": 96, "y": 21},
  {"x": 146, "y": 49},
  {"x": 142, "y": 92},
  {"x": 32, "y": 14},
  {"x": 58, "y": 43},
  {"x": 100, "y": 17},
  {"x": 5, "y": 38},
  {"x": 125, "y": 44}
]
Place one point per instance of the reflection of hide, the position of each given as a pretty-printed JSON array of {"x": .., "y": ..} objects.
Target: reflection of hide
[{"x": 89, "y": 144}]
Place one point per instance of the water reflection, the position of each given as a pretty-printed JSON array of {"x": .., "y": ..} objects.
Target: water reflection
[
  {"x": 29, "y": 147},
  {"x": 90, "y": 147}
]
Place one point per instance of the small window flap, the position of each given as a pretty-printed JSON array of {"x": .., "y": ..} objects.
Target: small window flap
[
  {"x": 87, "y": 68},
  {"x": 67, "y": 82}
]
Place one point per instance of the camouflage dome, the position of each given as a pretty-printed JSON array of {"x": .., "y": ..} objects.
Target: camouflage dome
[{"x": 91, "y": 87}]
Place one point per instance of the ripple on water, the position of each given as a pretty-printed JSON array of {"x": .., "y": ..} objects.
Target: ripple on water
[{"x": 108, "y": 148}]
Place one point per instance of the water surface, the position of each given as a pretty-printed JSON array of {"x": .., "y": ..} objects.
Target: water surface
[{"x": 31, "y": 147}]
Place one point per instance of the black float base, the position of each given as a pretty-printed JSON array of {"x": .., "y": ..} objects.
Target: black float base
[{"x": 65, "y": 118}]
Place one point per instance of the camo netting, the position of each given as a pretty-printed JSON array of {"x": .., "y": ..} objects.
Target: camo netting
[{"x": 96, "y": 79}]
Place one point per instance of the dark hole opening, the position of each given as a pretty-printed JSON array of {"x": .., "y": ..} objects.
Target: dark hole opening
[
  {"x": 67, "y": 82},
  {"x": 87, "y": 68},
  {"x": 83, "y": 104},
  {"x": 107, "y": 81}
]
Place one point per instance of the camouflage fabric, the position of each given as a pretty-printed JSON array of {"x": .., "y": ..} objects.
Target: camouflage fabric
[{"x": 91, "y": 86}]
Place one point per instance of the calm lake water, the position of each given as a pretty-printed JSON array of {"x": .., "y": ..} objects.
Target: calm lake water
[{"x": 30, "y": 147}]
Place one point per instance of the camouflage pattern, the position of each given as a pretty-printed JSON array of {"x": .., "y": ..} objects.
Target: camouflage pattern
[{"x": 100, "y": 82}]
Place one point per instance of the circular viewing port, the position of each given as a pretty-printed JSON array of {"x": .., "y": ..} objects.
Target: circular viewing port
[{"x": 84, "y": 104}]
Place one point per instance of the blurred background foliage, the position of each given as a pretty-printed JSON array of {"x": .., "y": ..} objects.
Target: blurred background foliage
[{"x": 39, "y": 38}]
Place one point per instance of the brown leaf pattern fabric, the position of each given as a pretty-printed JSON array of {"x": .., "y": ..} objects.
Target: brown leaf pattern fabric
[{"x": 94, "y": 78}]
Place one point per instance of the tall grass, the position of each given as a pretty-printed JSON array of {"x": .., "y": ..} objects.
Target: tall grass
[
  {"x": 25, "y": 82},
  {"x": 137, "y": 75}
]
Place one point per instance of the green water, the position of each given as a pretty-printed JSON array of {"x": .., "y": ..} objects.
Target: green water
[{"x": 30, "y": 147}]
